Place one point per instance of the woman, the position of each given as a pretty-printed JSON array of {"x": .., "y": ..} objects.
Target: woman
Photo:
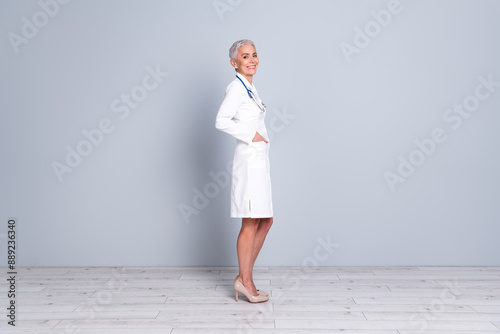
[{"x": 241, "y": 115}]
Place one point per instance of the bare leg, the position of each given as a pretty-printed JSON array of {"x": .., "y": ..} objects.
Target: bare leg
[
  {"x": 245, "y": 249},
  {"x": 260, "y": 236}
]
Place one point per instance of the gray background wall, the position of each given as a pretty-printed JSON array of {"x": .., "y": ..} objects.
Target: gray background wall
[{"x": 340, "y": 121}]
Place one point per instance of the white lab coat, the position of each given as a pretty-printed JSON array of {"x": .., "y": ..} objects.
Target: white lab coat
[{"x": 240, "y": 117}]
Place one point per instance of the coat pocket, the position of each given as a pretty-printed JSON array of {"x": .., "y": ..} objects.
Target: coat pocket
[{"x": 257, "y": 154}]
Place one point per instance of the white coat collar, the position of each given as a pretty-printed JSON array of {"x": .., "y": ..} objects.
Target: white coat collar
[{"x": 249, "y": 85}]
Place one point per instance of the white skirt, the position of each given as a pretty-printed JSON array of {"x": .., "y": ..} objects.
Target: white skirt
[{"x": 251, "y": 195}]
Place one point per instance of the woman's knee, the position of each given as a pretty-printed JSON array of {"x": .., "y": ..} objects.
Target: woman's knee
[
  {"x": 266, "y": 223},
  {"x": 250, "y": 224}
]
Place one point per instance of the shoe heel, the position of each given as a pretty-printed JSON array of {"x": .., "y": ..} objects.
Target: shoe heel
[{"x": 236, "y": 294}]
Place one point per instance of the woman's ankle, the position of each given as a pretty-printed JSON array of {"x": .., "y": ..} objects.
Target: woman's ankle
[{"x": 245, "y": 280}]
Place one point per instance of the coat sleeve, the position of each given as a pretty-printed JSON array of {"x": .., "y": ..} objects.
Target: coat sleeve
[{"x": 224, "y": 120}]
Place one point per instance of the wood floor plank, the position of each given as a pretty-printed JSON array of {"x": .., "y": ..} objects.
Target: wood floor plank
[
  {"x": 88, "y": 331},
  {"x": 326, "y": 293},
  {"x": 162, "y": 324},
  {"x": 230, "y": 305},
  {"x": 107, "y": 299},
  {"x": 26, "y": 324},
  {"x": 316, "y": 288},
  {"x": 281, "y": 331},
  {"x": 416, "y": 275},
  {"x": 455, "y": 331},
  {"x": 377, "y": 324},
  {"x": 259, "y": 313},
  {"x": 47, "y": 308},
  {"x": 430, "y": 315},
  {"x": 123, "y": 314},
  {"x": 486, "y": 308},
  {"x": 414, "y": 308},
  {"x": 353, "y": 282},
  {"x": 416, "y": 300}
]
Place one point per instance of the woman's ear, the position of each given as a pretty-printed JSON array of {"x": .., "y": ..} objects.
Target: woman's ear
[{"x": 233, "y": 63}]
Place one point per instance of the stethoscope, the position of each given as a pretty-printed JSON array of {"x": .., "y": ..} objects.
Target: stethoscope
[{"x": 261, "y": 105}]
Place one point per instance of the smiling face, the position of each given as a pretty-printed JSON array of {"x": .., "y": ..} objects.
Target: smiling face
[{"x": 246, "y": 62}]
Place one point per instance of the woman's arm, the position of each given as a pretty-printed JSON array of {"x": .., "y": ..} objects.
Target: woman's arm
[{"x": 224, "y": 120}]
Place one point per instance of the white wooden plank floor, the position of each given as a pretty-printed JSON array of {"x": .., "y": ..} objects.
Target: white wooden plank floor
[{"x": 181, "y": 300}]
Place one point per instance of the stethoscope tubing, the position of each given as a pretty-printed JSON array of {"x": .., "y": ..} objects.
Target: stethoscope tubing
[{"x": 251, "y": 95}]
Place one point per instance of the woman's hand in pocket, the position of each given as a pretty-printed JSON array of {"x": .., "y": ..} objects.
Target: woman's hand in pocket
[{"x": 258, "y": 137}]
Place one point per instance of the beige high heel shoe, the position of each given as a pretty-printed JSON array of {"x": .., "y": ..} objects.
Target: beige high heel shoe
[
  {"x": 260, "y": 292},
  {"x": 239, "y": 287}
]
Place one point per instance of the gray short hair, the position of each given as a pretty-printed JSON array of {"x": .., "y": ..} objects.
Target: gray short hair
[{"x": 236, "y": 45}]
